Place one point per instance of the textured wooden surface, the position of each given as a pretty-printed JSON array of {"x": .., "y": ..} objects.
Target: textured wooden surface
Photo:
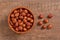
[{"x": 36, "y": 6}]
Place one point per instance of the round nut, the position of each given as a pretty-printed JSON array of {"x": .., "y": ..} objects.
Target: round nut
[
  {"x": 31, "y": 20},
  {"x": 12, "y": 15},
  {"x": 24, "y": 25},
  {"x": 43, "y": 27},
  {"x": 40, "y": 23},
  {"x": 25, "y": 17},
  {"x": 50, "y": 15},
  {"x": 28, "y": 27},
  {"x": 17, "y": 14},
  {"x": 49, "y": 26},
  {"x": 28, "y": 15},
  {"x": 41, "y": 16},
  {"x": 20, "y": 27},
  {"x": 23, "y": 14},
  {"x": 15, "y": 11},
  {"x": 14, "y": 20},
  {"x": 46, "y": 21},
  {"x": 21, "y": 17},
  {"x": 25, "y": 11},
  {"x": 25, "y": 29},
  {"x": 25, "y": 20},
  {"x": 19, "y": 21},
  {"x": 16, "y": 24},
  {"x": 21, "y": 10},
  {"x": 16, "y": 29}
]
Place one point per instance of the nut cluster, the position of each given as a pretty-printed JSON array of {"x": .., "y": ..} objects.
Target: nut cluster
[
  {"x": 49, "y": 26},
  {"x": 21, "y": 20}
]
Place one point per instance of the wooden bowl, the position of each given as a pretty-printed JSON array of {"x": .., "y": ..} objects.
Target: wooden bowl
[{"x": 12, "y": 24}]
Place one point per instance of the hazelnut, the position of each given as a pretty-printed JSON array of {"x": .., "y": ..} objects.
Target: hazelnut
[
  {"x": 28, "y": 27},
  {"x": 28, "y": 15},
  {"x": 19, "y": 21},
  {"x": 31, "y": 20},
  {"x": 50, "y": 15},
  {"x": 12, "y": 15},
  {"x": 25, "y": 20},
  {"x": 21, "y": 17},
  {"x": 28, "y": 24},
  {"x": 41, "y": 16},
  {"x": 16, "y": 24},
  {"x": 15, "y": 11},
  {"x": 14, "y": 20},
  {"x": 23, "y": 14},
  {"x": 24, "y": 25},
  {"x": 20, "y": 27},
  {"x": 49, "y": 26},
  {"x": 25, "y": 11},
  {"x": 31, "y": 16},
  {"x": 40, "y": 23},
  {"x": 17, "y": 14},
  {"x": 25, "y": 17},
  {"x": 16, "y": 29},
  {"x": 25, "y": 29},
  {"x": 43, "y": 27},
  {"x": 21, "y": 10},
  {"x": 46, "y": 21}
]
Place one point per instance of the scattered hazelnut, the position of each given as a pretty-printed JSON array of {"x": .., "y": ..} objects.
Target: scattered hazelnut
[
  {"x": 45, "y": 20},
  {"x": 50, "y": 15},
  {"x": 49, "y": 26},
  {"x": 41, "y": 16},
  {"x": 40, "y": 23},
  {"x": 43, "y": 27}
]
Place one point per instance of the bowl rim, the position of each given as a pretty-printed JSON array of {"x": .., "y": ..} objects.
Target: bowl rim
[{"x": 10, "y": 27}]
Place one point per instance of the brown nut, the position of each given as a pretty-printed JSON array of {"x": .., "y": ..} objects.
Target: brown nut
[
  {"x": 16, "y": 29},
  {"x": 40, "y": 23},
  {"x": 25, "y": 20},
  {"x": 49, "y": 26},
  {"x": 20, "y": 27},
  {"x": 28, "y": 24},
  {"x": 15, "y": 11},
  {"x": 14, "y": 20},
  {"x": 41, "y": 16},
  {"x": 50, "y": 15},
  {"x": 24, "y": 25},
  {"x": 16, "y": 24},
  {"x": 43, "y": 27},
  {"x": 23, "y": 14},
  {"x": 31, "y": 21},
  {"x": 25, "y": 11},
  {"x": 28, "y": 27},
  {"x": 24, "y": 29},
  {"x": 45, "y": 20},
  {"x": 21, "y": 10},
  {"x": 12, "y": 15},
  {"x": 19, "y": 21},
  {"x": 17, "y": 14},
  {"x": 21, "y": 17}
]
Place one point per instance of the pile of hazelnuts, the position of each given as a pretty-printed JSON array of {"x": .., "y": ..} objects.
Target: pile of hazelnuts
[
  {"x": 21, "y": 20},
  {"x": 44, "y": 21}
]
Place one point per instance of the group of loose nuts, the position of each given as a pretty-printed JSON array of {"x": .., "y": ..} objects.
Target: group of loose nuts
[
  {"x": 49, "y": 26},
  {"x": 21, "y": 20}
]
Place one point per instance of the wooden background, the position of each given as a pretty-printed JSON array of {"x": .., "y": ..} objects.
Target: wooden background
[{"x": 36, "y": 6}]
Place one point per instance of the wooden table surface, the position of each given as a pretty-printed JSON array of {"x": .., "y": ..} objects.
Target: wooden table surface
[{"x": 36, "y": 7}]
